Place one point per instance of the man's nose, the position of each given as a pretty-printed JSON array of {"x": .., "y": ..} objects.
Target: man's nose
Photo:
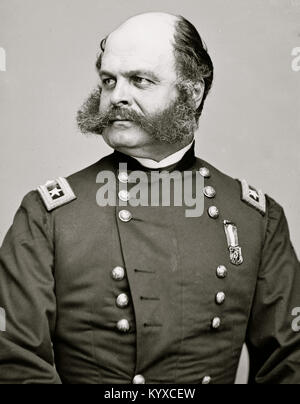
[{"x": 121, "y": 94}]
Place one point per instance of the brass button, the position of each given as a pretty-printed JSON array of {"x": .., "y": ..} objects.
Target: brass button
[
  {"x": 213, "y": 212},
  {"x": 122, "y": 300},
  {"x": 123, "y": 325},
  {"x": 125, "y": 216},
  {"x": 209, "y": 192},
  {"x": 216, "y": 323},
  {"x": 220, "y": 298},
  {"x": 204, "y": 172},
  {"x": 139, "y": 379},
  {"x": 124, "y": 195},
  {"x": 123, "y": 177},
  {"x": 222, "y": 271},
  {"x": 118, "y": 273},
  {"x": 206, "y": 380}
]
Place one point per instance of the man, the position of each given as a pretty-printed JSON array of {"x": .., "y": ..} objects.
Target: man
[{"x": 145, "y": 294}]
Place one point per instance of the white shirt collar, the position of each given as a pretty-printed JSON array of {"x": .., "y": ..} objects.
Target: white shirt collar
[{"x": 168, "y": 161}]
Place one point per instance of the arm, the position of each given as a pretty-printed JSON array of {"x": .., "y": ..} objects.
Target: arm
[
  {"x": 28, "y": 298},
  {"x": 274, "y": 347}
]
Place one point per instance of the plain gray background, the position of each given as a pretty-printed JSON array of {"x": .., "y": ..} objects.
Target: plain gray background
[{"x": 251, "y": 122}]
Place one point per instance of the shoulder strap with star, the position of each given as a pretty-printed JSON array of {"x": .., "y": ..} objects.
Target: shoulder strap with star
[
  {"x": 56, "y": 193},
  {"x": 253, "y": 197}
]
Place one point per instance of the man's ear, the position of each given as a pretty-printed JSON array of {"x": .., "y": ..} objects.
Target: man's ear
[{"x": 198, "y": 92}]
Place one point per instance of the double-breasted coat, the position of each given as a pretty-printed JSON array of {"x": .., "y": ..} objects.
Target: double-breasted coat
[{"x": 142, "y": 294}]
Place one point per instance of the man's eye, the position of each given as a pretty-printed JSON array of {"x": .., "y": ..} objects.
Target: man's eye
[
  {"x": 141, "y": 81},
  {"x": 109, "y": 82}
]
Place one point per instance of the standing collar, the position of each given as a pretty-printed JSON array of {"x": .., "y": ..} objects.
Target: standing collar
[
  {"x": 166, "y": 162},
  {"x": 183, "y": 160}
]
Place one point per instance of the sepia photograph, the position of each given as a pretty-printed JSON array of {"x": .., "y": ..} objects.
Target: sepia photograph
[{"x": 150, "y": 198}]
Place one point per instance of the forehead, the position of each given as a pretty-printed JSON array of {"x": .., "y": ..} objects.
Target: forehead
[{"x": 137, "y": 49}]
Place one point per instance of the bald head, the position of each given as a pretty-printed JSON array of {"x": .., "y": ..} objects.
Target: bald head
[
  {"x": 150, "y": 29},
  {"x": 151, "y": 21}
]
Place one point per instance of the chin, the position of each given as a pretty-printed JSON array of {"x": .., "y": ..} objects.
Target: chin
[{"x": 130, "y": 138}]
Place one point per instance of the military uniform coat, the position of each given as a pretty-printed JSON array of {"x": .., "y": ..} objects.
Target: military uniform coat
[{"x": 189, "y": 308}]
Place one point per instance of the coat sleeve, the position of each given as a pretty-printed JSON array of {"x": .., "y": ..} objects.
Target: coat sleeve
[
  {"x": 273, "y": 344},
  {"x": 27, "y": 298}
]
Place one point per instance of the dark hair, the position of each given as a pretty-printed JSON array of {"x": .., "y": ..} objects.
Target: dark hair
[
  {"x": 100, "y": 56},
  {"x": 193, "y": 62}
]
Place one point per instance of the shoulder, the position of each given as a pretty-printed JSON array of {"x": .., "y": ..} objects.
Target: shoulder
[{"x": 62, "y": 191}]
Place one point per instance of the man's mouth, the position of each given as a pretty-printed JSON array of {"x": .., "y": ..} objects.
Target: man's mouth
[
  {"x": 120, "y": 119},
  {"x": 121, "y": 122}
]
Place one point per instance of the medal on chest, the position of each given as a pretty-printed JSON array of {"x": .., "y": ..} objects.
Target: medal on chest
[{"x": 235, "y": 251}]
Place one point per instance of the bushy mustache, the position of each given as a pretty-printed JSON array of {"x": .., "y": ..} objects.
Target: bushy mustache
[
  {"x": 118, "y": 113},
  {"x": 174, "y": 124}
]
